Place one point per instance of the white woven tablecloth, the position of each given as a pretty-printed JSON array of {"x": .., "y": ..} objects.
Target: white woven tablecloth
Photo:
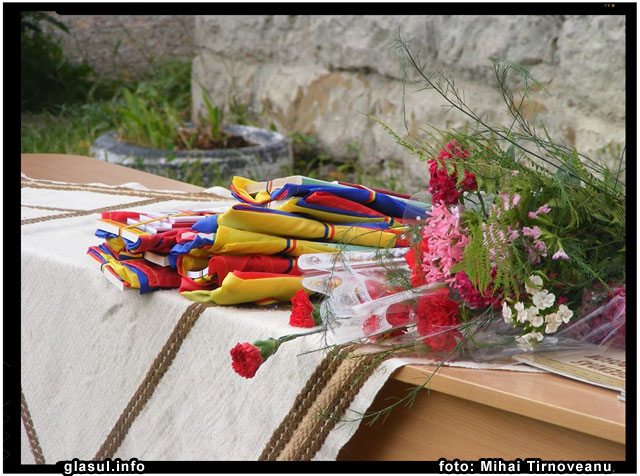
[{"x": 87, "y": 346}]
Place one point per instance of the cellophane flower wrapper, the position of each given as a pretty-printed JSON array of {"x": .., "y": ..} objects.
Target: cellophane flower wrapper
[{"x": 360, "y": 306}]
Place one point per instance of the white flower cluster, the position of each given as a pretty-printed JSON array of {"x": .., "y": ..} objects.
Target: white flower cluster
[{"x": 531, "y": 318}]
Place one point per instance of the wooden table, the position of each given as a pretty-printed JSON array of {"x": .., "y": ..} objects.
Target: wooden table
[{"x": 465, "y": 414}]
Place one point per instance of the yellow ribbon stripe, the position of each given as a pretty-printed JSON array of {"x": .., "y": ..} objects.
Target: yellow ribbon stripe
[
  {"x": 239, "y": 242},
  {"x": 291, "y": 206},
  {"x": 299, "y": 227}
]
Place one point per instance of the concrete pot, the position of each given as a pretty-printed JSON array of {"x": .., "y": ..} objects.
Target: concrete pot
[{"x": 271, "y": 157}]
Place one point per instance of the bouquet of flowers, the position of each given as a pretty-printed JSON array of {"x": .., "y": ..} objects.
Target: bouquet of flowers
[{"x": 522, "y": 250}]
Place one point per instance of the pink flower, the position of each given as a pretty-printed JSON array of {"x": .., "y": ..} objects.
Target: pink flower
[
  {"x": 531, "y": 232},
  {"x": 509, "y": 202},
  {"x": 445, "y": 241},
  {"x": 543, "y": 209},
  {"x": 540, "y": 246},
  {"x": 560, "y": 254}
]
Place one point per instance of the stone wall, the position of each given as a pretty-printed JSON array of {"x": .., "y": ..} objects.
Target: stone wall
[
  {"x": 124, "y": 45},
  {"x": 321, "y": 75}
]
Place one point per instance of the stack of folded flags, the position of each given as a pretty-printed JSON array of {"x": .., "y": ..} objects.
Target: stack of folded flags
[{"x": 248, "y": 253}]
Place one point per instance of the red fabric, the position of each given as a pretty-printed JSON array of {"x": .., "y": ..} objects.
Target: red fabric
[
  {"x": 161, "y": 242},
  {"x": 183, "y": 224},
  {"x": 120, "y": 216},
  {"x": 188, "y": 284},
  {"x": 327, "y": 199},
  {"x": 158, "y": 276},
  {"x": 257, "y": 275},
  {"x": 220, "y": 266}
]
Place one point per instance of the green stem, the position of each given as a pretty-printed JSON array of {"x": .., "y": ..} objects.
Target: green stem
[{"x": 484, "y": 210}]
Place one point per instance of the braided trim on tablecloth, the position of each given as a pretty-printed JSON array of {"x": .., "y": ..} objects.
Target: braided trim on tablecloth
[
  {"x": 80, "y": 213},
  {"x": 34, "y": 443},
  {"x": 144, "y": 392},
  {"x": 55, "y": 209},
  {"x": 319, "y": 406},
  {"x": 169, "y": 195},
  {"x": 315, "y": 384}
]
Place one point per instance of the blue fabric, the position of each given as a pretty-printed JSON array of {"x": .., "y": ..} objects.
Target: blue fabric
[
  {"x": 106, "y": 249},
  {"x": 105, "y": 234},
  {"x": 130, "y": 245},
  {"x": 186, "y": 246},
  {"x": 97, "y": 255},
  {"x": 206, "y": 225},
  {"x": 142, "y": 278},
  {"x": 379, "y": 225},
  {"x": 302, "y": 203},
  {"x": 382, "y": 203}
]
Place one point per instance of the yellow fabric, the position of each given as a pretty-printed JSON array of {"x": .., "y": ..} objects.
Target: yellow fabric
[
  {"x": 240, "y": 242},
  {"x": 235, "y": 290},
  {"x": 291, "y": 206},
  {"x": 299, "y": 227},
  {"x": 115, "y": 243},
  {"x": 118, "y": 245},
  {"x": 194, "y": 263},
  {"x": 125, "y": 273},
  {"x": 240, "y": 184},
  {"x": 122, "y": 271}
]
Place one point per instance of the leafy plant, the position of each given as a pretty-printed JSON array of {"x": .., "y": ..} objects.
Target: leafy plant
[
  {"x": 586, "y": 198},
  {"x": 147, "y": 120},
  {"x": 47, "y": 78},
  {"x": 214, "y": 118}
]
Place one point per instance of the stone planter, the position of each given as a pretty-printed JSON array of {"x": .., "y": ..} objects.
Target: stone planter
[{"x": 271, "y": 157}]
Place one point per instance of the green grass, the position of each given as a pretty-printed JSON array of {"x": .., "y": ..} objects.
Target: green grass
[{"x": 71, "y": 130}]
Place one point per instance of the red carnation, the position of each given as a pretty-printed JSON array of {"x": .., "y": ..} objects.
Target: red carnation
[
  {"x": 469, "y": 183},
  {"x": 376, "y": 289},
  {"x": 303, "y": 312},
  {"x": 370, "y": 325},
  {"x": 246, "y": 359},
  {"x": 414, "y": 259},
  {"x": 472, "y": 296},
  {"x": 438, "y": 316},
  {"x": 398, "y": 314},
  {"x": 442, "y": 186}
]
